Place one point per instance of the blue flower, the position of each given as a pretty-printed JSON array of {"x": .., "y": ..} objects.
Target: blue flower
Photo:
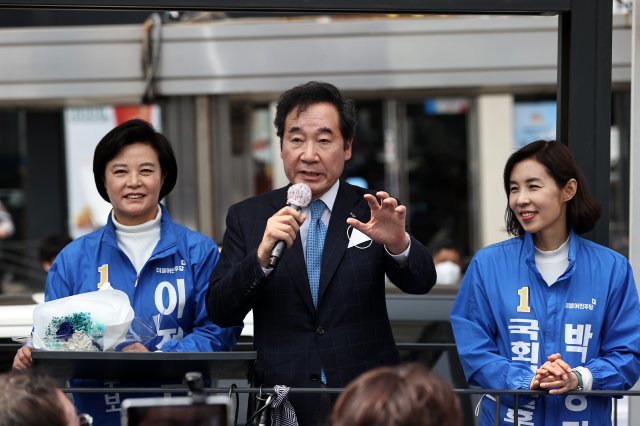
[{"x": 65, "y": 331}]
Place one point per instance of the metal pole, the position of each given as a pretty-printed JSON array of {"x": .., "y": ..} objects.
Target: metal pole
[
  {"x": 584, "y": 97},
  {"x": 634, "y": 160}
]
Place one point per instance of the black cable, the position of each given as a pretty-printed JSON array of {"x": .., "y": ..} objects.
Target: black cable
[
  {"x": 231, "y": 389},
  {"x": 262, "y": 409}
]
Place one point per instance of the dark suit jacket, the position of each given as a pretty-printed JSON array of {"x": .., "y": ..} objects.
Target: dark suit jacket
[{"x": 350, "y": 331}]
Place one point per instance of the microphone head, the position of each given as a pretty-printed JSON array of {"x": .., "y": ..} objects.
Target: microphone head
[{"x": 299, "y": 194}]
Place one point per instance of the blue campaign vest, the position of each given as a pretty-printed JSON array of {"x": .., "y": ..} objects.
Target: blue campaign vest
[{"x": 507, "y": 320}]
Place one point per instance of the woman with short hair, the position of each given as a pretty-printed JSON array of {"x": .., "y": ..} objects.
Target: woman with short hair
[{"x": 162, "y": 266}]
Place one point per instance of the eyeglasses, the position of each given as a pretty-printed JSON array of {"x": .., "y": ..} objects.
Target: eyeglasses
[{"x": 85, "y": 419}]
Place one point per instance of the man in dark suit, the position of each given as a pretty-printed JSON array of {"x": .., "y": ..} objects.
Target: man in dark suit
[{"x": 322, "y": 328}]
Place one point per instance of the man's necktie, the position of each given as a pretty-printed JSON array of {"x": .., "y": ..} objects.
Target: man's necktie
[{"x": 315, "y": 244}]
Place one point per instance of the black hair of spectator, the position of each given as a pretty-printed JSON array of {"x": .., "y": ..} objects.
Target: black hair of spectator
[
  {"x": 311, "y": 93},
  {"x": 445, "y": 245},
  {"x": 583, "y": 211},
  {"x": 52, "y": 245},
  {"x": 28, "y": 399},
  {"x": 128, "y": 133}
]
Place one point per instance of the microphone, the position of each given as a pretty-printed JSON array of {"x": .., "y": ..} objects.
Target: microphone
[{"x": 298, "y": 196}]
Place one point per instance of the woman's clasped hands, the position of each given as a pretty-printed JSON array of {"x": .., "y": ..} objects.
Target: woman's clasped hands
[{"x": 555, "y": 376}]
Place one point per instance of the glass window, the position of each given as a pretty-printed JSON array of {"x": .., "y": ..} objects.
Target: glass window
[
  {"x": 366, "y": 167},
  {"x": 261, "y": 149},
  {"x": 438, "y": 172}
]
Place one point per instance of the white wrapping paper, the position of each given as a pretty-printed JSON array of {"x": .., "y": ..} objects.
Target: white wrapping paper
[{"x": 94, "y": 321}]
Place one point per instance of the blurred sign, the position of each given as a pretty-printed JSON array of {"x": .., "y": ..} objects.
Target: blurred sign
[
  {"x": 534, "y": 121},
  {"x": 443, "y": 106}
]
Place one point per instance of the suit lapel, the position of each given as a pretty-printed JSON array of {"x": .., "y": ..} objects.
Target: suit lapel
[{"x": 335, "y": 243}]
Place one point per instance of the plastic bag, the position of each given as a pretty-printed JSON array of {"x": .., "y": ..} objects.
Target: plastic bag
[{"x": 152, "y": 332}]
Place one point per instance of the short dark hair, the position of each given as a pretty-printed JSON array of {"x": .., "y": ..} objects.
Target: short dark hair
[
  {"x": 445, "y": 244},
  {"x": 128, "y": 133},
  {"x": 28, "y": 399},
  {"x": 52, "y": 245},
  {"x": 583, "y": 211},
  {"x": 405, "y": 395},
  {"x": 314, "y": 92}
]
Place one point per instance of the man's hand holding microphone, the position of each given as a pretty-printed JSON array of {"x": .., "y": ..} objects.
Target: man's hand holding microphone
[
  {"x": 386, "y": 226},
  {"x": 282, "y": 228}
]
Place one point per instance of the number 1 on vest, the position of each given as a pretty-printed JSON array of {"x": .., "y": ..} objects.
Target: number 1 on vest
[{"x": 524, "y": 300}]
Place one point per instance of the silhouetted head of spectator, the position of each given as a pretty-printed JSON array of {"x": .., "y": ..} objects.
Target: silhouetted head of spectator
[
  {"x": 447, "y": 251},
  {"x": 49, "y": 249},
  {"x": 448, "y": 261},
  {"x": 407, "y": 395},
  {"x": 28, "y": 399}
]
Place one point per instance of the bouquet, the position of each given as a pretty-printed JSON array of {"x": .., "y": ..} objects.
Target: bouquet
[{"x": 94, "y": 321}]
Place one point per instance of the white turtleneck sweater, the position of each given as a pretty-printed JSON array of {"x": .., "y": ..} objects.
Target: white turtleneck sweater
[
  {"x": 138, "y": 241},
  {"x": 552, "y": 264}
]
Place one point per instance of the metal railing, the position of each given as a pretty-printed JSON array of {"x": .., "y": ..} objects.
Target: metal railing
[
  {"x": 234, "y": 390},
  {"x": 497, "y": 394}
]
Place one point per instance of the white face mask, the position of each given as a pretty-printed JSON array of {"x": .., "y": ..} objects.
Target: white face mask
[{"x": 448, "y": 273}]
